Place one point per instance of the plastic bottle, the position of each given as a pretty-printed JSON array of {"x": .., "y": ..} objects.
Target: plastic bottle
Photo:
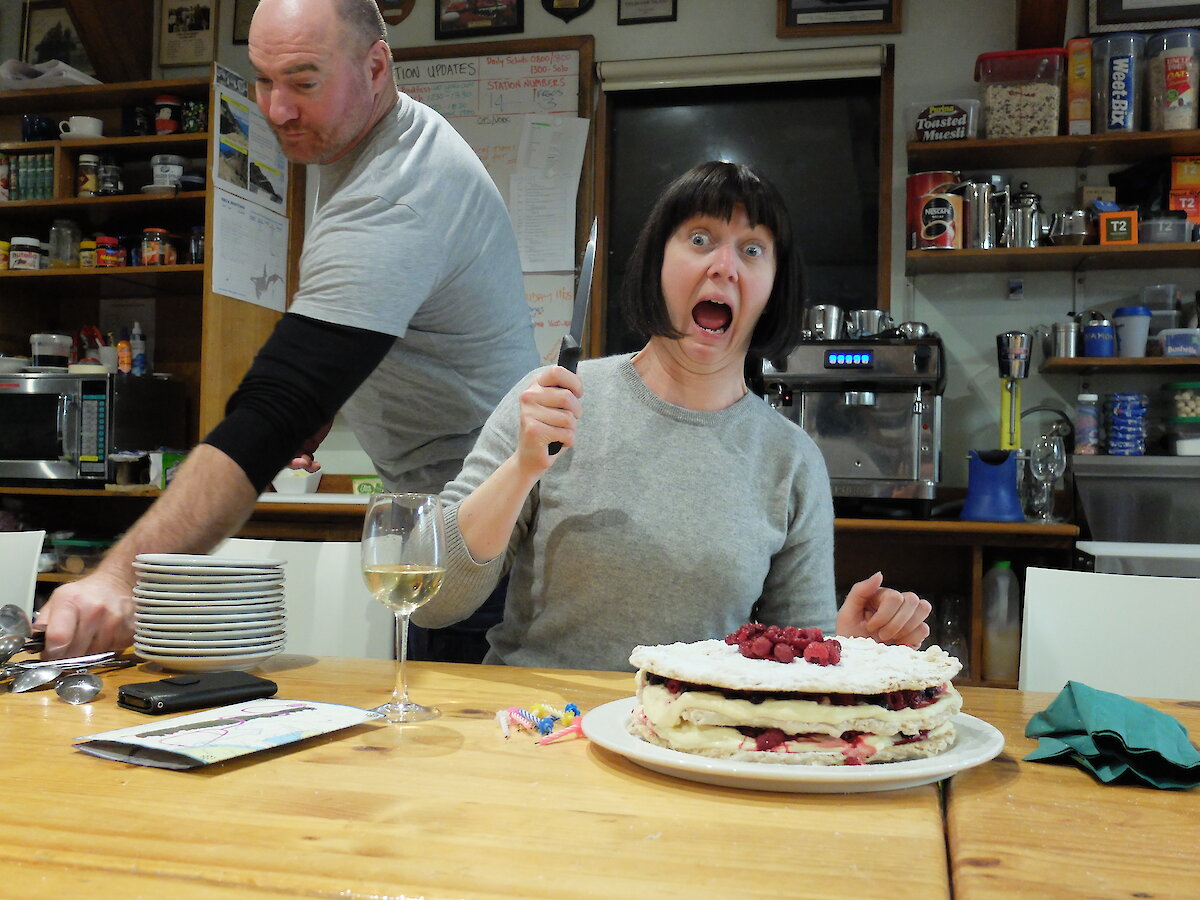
[
  {"x": 137, "y": 350},
  {"x": 1001, "y": 623},
  {"x": 1087, "y": 424},
  {"x": 124, "y": 354}
]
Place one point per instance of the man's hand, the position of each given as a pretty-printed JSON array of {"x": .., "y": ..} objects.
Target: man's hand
[
  {"x": 305, "y": 456},
  {"x": 90, "y": 615},
  {"x": 888, "y": 616}
]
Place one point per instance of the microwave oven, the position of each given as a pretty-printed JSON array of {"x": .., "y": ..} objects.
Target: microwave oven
[{"x": 62, "y": 427}]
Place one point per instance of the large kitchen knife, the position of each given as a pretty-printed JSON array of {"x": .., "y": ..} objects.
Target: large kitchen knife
[{"x": 571, "y": 347}]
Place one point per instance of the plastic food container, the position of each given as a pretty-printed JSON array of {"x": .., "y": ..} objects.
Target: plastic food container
[
  {"x": 949, "y": 120},
  {"x": 1117, "y": 82},
  {"x": 51, "y": 349},
  {"x": 1183, "y": 435},
  {"x": 1022, "y": 92},
  {"x": 78, "y": 555},
  {"x": 1180, "y": 341},
  {"x": 1163, "y": 230},
  {"x": 1184, "y": 397},
  {"x": 1171, "y": 72}
]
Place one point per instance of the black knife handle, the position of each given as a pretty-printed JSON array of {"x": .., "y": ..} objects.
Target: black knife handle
[{"x": 568, "y": 358}]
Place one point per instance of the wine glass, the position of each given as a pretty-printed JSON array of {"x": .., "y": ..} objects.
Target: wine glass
[
  {"x": 1047, "y": 463},
  {"x": 404, "y": 562}
]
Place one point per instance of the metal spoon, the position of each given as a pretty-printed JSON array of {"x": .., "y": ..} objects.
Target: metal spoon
[
  {"x": 13, "y": 620},
  {"x": 10, "y": 645},
  {"x": 78, "y": 687},
  {"x": 28, "y": 679}
]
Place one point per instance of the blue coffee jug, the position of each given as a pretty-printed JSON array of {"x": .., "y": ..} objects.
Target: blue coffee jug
[{"x": 992, "y": 487}]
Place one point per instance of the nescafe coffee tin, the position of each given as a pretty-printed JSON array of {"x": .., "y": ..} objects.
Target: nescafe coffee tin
[
  {"x": 940, "y": 223},
  {"x": 920, "y": 185},
  {"x": 922, "y": 233}
]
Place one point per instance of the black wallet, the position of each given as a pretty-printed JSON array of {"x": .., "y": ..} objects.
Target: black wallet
[{"x": 183, "y": 692}]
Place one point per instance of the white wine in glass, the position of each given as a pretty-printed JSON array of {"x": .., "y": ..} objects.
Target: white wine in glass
[{"x": 403, "y": 560}]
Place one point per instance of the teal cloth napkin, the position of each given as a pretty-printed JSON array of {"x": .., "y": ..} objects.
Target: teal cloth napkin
[{"x": 1113, "y": 737}]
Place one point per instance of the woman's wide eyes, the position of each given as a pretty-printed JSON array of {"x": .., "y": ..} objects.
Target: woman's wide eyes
[{"x": 702, "y": 239}]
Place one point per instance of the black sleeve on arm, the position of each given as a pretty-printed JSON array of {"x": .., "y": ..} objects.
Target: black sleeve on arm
[{"x": 298, "y": 381}]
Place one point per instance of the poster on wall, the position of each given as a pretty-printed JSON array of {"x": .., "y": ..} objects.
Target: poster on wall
[
  {"x": 249, "y": 239},
  {"x": 249, "y": 161},
  {"x": 518, "y": 111},
  {"x": 48, "y": 33}
]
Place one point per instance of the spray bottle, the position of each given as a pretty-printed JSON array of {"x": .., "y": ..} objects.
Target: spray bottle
[{"x": 137, "y": 349}]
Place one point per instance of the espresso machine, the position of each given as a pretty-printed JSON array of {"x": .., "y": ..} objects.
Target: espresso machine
[{"x": 873, "y": 406}]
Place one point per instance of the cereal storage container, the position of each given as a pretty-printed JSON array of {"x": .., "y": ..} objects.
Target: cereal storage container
[
  {"x": 1117, "y": 83},
  {"x": 1171, "y": 70},
  {"x": 1022, "y": 92}
]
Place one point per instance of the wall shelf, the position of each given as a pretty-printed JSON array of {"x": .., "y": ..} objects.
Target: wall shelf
[
  {"x": 1092, "y": 365},
  {"x": 1052, "y": 259},
  {"x": 1062, "y": 150}
]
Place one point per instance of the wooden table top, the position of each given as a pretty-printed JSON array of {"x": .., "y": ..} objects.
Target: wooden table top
[
  {"x": 451, "y": 809},
  {"x": 1023, "y": 829}
]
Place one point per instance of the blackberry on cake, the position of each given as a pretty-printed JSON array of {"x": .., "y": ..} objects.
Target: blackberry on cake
[{"x": 760, "y": 695}]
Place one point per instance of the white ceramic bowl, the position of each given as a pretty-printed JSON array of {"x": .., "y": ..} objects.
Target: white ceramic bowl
[{"x": 296, "y": 481}]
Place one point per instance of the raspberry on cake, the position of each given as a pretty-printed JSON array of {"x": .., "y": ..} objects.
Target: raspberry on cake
[{"x": 874, "y": 703}]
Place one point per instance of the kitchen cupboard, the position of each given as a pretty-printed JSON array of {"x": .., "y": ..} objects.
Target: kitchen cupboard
[
  {"x": 203, "y": 338},
  {"x": 944, "y": 561}
]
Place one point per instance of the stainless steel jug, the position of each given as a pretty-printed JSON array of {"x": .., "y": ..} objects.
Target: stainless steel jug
[
  {"x": 986, "y": 213},
  {"x": 1027, "y": 220}
]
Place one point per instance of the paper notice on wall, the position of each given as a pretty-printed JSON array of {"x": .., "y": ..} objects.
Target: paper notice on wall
[
  {"x": 542, "y": 191},
  {"x": 249, "y": 161},
  {"x": 249, "y": 251},
  {"x": 551, "y": 296}
]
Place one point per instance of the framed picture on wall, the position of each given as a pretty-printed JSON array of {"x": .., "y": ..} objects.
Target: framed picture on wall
[
  {"x": 243, "y": 12},
  {"x": 640, "y": 12},
  {"x": 1140, "y": 15},
  {"x": 47, "y": 33},
  {"x": 469, "y": 18},
  {"x": 187, "y": 34},
  {"x": 814, "y": 18}
]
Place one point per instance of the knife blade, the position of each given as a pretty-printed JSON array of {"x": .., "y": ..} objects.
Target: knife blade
[{"x": 572, "y": 343}]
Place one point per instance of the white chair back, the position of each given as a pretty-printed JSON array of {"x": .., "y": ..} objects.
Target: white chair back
[
  {"x": 1134, "y": 635},
  {"x": 330, "y": 612},
  {"x": 19, "y": 552}
]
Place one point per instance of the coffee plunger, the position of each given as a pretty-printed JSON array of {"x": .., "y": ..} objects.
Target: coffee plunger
[{"x": 1012, "y": 352}]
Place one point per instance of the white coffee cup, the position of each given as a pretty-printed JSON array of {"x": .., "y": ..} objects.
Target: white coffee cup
[{"x": 82, "y": 126}]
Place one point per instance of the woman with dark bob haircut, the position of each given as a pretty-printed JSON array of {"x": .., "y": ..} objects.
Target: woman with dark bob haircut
[
  {"x": 681, "y": 505},
  {"x": 715, "y": 188}
]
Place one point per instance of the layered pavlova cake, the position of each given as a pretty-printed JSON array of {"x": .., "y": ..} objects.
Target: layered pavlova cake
[{"x": 790, "y": 695}]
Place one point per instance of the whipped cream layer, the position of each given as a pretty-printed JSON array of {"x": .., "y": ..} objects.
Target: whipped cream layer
[{"x": 691, "y": 708}]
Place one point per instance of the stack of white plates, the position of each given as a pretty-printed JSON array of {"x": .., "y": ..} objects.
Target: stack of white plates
[{"x": 207, "y": 613}]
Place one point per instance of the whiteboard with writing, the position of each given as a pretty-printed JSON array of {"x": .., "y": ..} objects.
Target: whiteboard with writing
[{"x": 487, "y": 99}]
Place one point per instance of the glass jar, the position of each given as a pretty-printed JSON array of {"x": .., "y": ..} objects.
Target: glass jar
[
  {"x": 154, "y": 247},
  {"x": 1087, "y": 425},
  {"x": 196, "y": 245},
  {"x": 64, "y": 244},
  {"x": 167, "y": 114},
  {"x": 24, "y": 253},
  {"x": 87, "y": 254},
  {"x": 108, "y": 251},
  {"x": 87, "y": 175},
  {"x": 110, "y": 180}
]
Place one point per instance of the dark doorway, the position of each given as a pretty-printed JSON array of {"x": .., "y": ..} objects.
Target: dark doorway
[{"x": 818, "y": 141}]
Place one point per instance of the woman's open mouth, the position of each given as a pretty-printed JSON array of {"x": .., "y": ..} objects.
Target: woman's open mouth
[{"x": 713, "y": 317}]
